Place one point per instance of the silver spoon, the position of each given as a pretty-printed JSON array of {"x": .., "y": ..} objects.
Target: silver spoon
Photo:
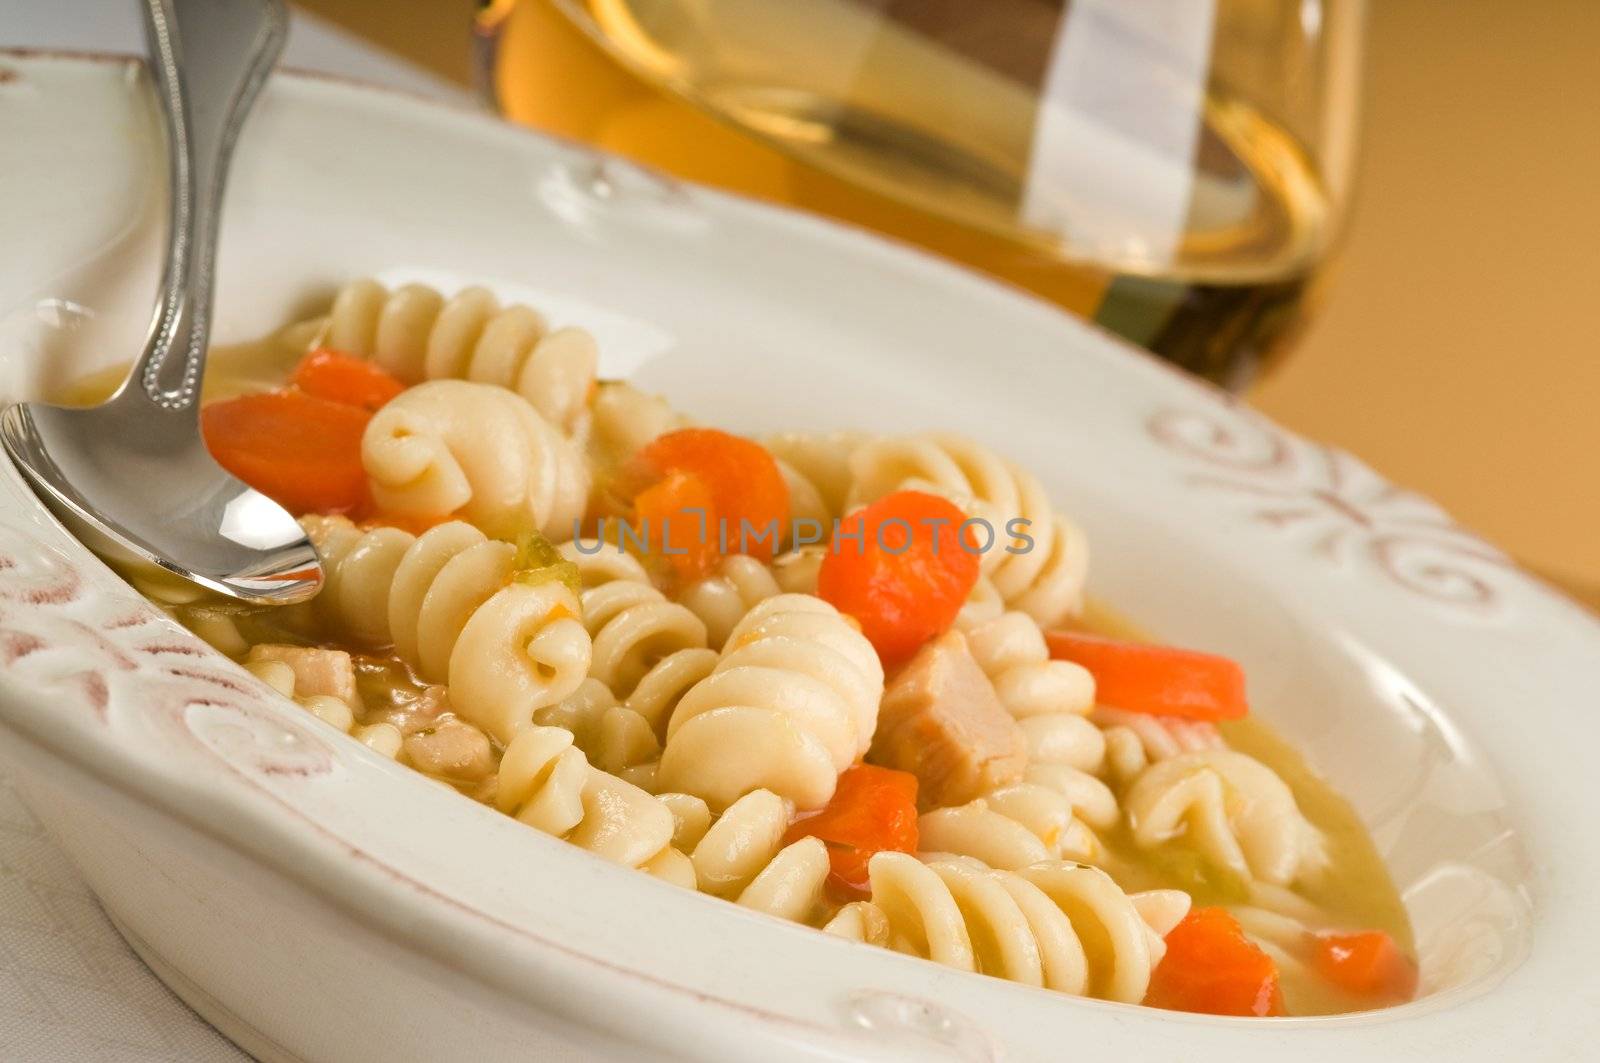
[{"x": 131, "y": 477}]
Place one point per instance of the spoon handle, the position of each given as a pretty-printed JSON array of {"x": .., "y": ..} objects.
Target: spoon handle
[{"x": 209, "y": 59}]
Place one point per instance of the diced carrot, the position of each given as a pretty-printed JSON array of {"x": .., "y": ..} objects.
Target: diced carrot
[
  {"x": 1367, "y": 964},
  {"x": 736, "y": 484},
  {"x": 1159, "y": 680},
  {"x": 674, "y": 514},
  {"x": 872, "y": 809},
  {"x": 300, "y": 450},
  {"x": 900, "y": 567},
  {"x": 1212, "y": 968},
  {"x": 344, "y": 378}
]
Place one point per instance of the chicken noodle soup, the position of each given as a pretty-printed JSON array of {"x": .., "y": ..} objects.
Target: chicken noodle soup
[{"x": 898, "y": 734}]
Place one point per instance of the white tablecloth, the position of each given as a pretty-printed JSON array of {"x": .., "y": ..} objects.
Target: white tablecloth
[{"x": 70, "y": 989}]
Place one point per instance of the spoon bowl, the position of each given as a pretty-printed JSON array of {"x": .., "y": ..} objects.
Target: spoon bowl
[
  {"x": 145, "y": 499},
  {"x": 132, "y": 477}
]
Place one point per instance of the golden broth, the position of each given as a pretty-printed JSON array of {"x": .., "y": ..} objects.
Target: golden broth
[{"x": 1355, "y": 892}]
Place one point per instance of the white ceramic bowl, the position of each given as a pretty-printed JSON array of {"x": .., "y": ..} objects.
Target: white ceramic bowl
[{"x": 318, "y": 902}]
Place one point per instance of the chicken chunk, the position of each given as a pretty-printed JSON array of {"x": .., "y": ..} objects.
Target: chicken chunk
[
  {"x": 317, "y": 671},
  {"x": 942, "y": 721}
]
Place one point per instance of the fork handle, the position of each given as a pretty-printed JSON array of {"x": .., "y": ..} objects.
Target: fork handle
[{"x": 209, "y": 59}]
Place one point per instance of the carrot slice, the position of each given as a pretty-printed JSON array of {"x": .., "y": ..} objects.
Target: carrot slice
[
  {"x": 675, "y": 518},
  {"x": 1212, "y": 968},
  {"x": 1159, "y": 680},
  {"x": 1367, "y": 964},
  {"x": 345, "y": 378},
  {"x": 302, "y": 451},
  {"x": 900, "y": 567},
  {"x": 734, "y": 482},
  {"x": 873, "y": 809}
]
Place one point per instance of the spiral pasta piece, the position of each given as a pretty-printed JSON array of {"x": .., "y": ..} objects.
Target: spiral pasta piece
[
  {"x": 816, "y": 468},
  {"x": 1232, "y": 809},
  {"x": 452, "y": 446},
  {"x": 521, "y": 649},
  {"x": 791, "y": 703},
  {"x": 216, "y": 626},
  {"x": 417, "y": 334},
  {"x": 1092, "y": 801},
  {"x": 358, "y": 569},
  {"x": 1010, "y": 828},
  {"x": 647, "y": 650},
  {"x": 1042, "y": 574},
  {"x": 1135, "y": 740},
  {"x": 722, "y": 599},
  {"x": 982, "y": 605},
  {"x": 672, "y": 866},
  {"x": 447, "y": 603},
  {"x": 1286, "y": 939},
  {"x": 600, "y": 562},
  {"x": 1011, "y": 651},
  {"x": 546, "y": 782},
  {"x": 1064, "y": 738},
  {"x": 624, "y": 419},
  {"x": 1049, "y": 700},
  {"x": 1058, "y": 925},
  {"x": 614, "y": 737},
  {"x": 796, "y": 571},
  {"x": 741, "y": 857}
]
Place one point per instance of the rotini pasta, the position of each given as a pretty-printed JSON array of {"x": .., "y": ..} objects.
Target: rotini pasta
[
  {"x": 722, "y": 599},
  {"x": 614, "y": 738},
  {"x": 625, "y": 419},
  {"x": 816, "y": 466},
  {"x": 546, "y": 782},
  {"x": 217, "y": 627},
  {"x": 455, "y": 447},
  {"x": 1231, "y": 808},
  {"x": 982, "y": 605},
  {"x": 741, "y": 856},
  {"x": 1059, "y": 925},
  {"x": 670, "y": 865},
  {"x": 1291, "y": 942},
  {"x": 1044, "y": 579},
  {"x": 1011, "y": 651},
  {"x": 792, "y": 701},
  {"x": 1135, "y": 740},
  {"x": 417, "y": 334},
  {"x": 1282, "y": 937},
  {"x": 448, "y": 604},
  {"x": 647, "y": 650},
  {"x": 1091, "y": 799},
  {"x": 796, "y": 571},
  {"x": 1049, "y": 700},
  {"x": 1010, "y": 828},
  {"x": 600, "y": 562}
]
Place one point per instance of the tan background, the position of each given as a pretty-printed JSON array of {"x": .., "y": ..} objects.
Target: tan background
[{"x": 1458, "y": 346}]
